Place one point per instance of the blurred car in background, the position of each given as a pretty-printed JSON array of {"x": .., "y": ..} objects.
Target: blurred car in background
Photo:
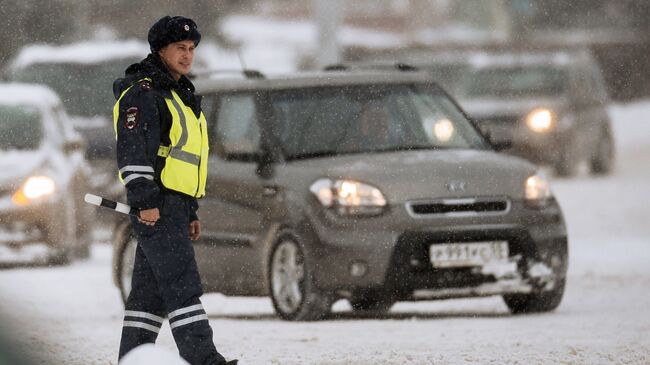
[
  {"x": 550, "y": 107},
  {"x": 369, "y": 186},
  {"x": 44, "y": 174},
  {"x": 447, "y": 68},
  {"x": 82, "y": 74}
]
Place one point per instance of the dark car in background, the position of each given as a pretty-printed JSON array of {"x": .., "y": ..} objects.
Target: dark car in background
[
  {"x": 44, "y": 174},
  {"x": 83, "y": 74},
  {"x": 447, "y": 68},
  {"x": 550, "y": 107},
  {"x": 368, "y": 186}
]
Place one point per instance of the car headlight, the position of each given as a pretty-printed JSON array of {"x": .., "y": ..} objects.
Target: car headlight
[
  {"x": 541, "y": 120},
  {"x": 538, "y": 191},
  {"x": 349, "y": 197},
  {"x": 35, "y": 187}
]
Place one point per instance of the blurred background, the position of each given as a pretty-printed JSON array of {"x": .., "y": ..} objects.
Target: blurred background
[{"x": 293, "y": 34}]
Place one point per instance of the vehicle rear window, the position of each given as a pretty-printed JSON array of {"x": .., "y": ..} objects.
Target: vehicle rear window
[
  {"x": 20, "y": 127},
  {"x": 368, "y": 119},
  {"x": 516, "y": 82}
]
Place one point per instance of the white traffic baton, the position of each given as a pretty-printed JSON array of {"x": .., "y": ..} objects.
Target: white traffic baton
[{"x": 106, "y": 203}]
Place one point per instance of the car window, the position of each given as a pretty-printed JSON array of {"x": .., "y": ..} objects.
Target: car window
[
  {"x": 236, "y": 131},
  {"x": 21, "y": 127},
  {"x": 516, "y": 82},
  {"x": 367, "y": 119}
]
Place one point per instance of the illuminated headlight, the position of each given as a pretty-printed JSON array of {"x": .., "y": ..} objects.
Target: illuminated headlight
[
  {"x": 443, "y": 130},
  {"x": 349, "y": 197},
  {"x": 34, "y": 188},
  {"x": 540, "y": 120},
  {"x": 538, "y": 191}
]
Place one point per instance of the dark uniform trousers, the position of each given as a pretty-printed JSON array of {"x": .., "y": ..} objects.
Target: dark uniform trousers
[{"x": 166, "y": 282}]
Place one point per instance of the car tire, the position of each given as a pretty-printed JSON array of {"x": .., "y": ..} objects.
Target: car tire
[
  {"x": 537, "y": 301},
  {"x": 60, "y": 233},
  {"x": 371, "y": 302},
  {"x": 568, "y": 161},
  {"x": 602, "y": 161},
  {"x": 127, "y": 243},
  {"x": 292, "y": 287},
  {"x": 84, "y": 214}
]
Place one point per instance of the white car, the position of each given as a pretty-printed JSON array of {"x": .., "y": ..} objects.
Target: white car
[{"x": 43, "y": 173}]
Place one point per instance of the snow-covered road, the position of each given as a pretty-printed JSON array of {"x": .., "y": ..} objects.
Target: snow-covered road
[{"x": 73, "y": 314}]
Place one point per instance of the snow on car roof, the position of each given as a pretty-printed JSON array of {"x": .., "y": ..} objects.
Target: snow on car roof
[
  {"x": 308, "y": 79},
  {"x": 87, "y": 52},
  {"x": 480, "y": 60},
  {"x": 31, "y": 94}
]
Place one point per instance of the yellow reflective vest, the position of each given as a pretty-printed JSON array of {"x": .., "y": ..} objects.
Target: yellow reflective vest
[{"x": 186, "y": 159}]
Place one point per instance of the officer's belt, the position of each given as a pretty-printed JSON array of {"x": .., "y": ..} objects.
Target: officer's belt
[{"x": 164, "y": 151}]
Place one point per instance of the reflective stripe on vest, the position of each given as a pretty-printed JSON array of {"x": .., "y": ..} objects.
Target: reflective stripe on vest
[
  {"x": 186, "y": 163},
  {"x": 186, "y": 159}
]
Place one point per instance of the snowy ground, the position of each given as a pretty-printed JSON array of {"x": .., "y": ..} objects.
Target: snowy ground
[{"x": 73, "y": 314}]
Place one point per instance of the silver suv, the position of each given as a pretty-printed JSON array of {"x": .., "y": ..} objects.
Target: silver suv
[
  {"x": 550, "y": 106},
  {"x": 368, "y": 186}
]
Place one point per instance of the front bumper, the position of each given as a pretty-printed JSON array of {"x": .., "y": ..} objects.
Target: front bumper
[
  {"x": 25, "y": 225},
  {"x": 392, "y": 252}
]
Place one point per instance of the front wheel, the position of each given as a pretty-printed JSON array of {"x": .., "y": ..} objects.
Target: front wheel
[
  {"x": 537, "y": 301},
  {"x": 294, "y": 293},
  {"x": 602, "y": 161},
  {"x": 125, "y": 251},
  {"x": 568, "y": 161}
]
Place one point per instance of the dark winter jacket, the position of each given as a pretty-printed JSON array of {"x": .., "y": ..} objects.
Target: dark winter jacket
[{"x": 143, "y": 125}]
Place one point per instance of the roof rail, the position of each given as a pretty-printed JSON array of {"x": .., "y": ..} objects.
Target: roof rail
[
  {"x": 253, "y": 74},
  {"x": 336, "y": 67},
  {"x": 401, "y": 66},
  {"x": 249, "y": 74}
]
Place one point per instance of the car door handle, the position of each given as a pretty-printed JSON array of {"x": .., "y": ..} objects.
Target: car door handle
[{"x": 269, "y": 190}]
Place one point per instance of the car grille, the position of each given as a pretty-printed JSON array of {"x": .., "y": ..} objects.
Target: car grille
[{"x": 458, "y": 207}]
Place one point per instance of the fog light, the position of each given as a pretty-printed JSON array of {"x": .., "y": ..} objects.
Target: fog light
[{"x": 358, "y": 268}]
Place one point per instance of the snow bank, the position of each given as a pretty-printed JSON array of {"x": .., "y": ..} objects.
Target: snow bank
[{"x": 150, "y": 354}]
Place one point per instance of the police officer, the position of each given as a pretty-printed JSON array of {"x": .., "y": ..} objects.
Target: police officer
[{"x": 162, "y": 153}]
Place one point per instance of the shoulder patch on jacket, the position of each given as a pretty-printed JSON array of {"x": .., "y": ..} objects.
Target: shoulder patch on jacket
[
  {"x": 132, "y": 117},
  {"x": 145, "y": 85}
]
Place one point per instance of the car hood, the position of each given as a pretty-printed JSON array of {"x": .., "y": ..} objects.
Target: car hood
[
  {"x": 17, "y": 165},
  {"x": 489, "y": 107},
  {"x": 411, "y": 175}
]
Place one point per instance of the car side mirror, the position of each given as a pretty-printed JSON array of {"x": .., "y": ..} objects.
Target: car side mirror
[
  {"x": 498, "y": 146},
  {"x": 264, "y": 165},
  {"x": 74, "y": 145},
  {"x": 501, "y": 146}
]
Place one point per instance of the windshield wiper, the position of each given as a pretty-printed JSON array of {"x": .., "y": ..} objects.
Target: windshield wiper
[
  {"x": 314, "y": 154},
  {"x": 407, "y": 148}
]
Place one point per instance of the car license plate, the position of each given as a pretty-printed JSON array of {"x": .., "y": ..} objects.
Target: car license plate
[{"x": 467, "y": 254}]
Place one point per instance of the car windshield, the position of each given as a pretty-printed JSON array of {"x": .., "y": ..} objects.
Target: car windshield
[
  {"x": 20, "y": 127},
  {"x": 86, "y": 89},
  {"x": 518, "y": 82},
  {"x": 366, "y": 119}
]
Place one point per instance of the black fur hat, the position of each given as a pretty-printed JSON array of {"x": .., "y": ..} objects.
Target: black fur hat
[{"x": 172, "y": 29}]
